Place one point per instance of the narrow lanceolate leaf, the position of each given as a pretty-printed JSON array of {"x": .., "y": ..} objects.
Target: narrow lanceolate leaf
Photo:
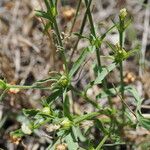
[
  {"x": 108, "y": 92},
  {"x": 56, "y": 93},
  {"x": 78, "y": 134},
  {"x": 104, "y": 35},
  {"x": 17, "y": 133},
  {"x": 53, "y": 146},
  {"x": 103, "y": 72},
  {"x": 47, "y": 4},
  {"x": 112, "y": 47},
  {"x": 3, "y": 94},
  {"x": 144, "y": 122},
  {"x": 43, "y": 15},
  {"x": 30, "y": 112},
  {"x": 66, "y": 105},
  {"x": 80, "y": 60},
  {"x": 71, "y": 143},
  {"x": 86, "y": 117}
]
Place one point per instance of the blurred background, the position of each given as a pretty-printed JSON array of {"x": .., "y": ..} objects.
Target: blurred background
[{"x": 28, "y": 54}]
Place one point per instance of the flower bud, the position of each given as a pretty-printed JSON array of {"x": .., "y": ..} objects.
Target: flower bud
[
  {"x": 123, "y": 13},
  {"x": 66, "y": 123},
  {"x": 120, "y": 54},
  {"x": 46, "y": 110},
  {"x": 63, "y": 81}
]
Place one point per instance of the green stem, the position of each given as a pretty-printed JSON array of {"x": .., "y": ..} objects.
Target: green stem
[
  {"x": 102, "y": 143},
  {"x": 26, "y": 87},
  {"x": 121, "y": 64},
  {"x": 104, "y": 83},
  {"x": 3, "y": 94},
  {"x": 59, "y": 38},
  {"x": 93, "y": 31},
  {"x": 121, "y": 71},
  {"x": 75, "y": 18},
  {"x": 61, "y": 45},
  {"x": 87, "y": 117},
  {"x": 81, "y": 31}
]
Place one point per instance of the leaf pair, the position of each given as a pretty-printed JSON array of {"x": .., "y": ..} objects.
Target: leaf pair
[
  {"x": 144, "y": 122},
  {"x": 120, "y": 54}
]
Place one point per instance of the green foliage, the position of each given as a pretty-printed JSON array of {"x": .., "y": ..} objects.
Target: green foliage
[
  {"x": 62, "y": 121},
  {"x": 103, "y": 72},
  {"x": 145, "y": 122},
  {"x": 2, "y": 85}
]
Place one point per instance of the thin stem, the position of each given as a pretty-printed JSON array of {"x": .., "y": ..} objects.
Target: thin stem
[
  {"x": 59, "y": 39},
  {"x": 75, "y": 18},
  {"x": 26, "y": 87},
  {"x": 91, "y": 101},
  {"x": 93, "y": 31},
  {"x": 61, "y": 45},
  {"x": 117, "y": 93},
  {"x": 121, "y": 70},
  {"x": 104, "y": 83},
  {"x": 121, "y": 64},
  {"x": 102, "y": 143},
  {"x": 81, "y": 31}
]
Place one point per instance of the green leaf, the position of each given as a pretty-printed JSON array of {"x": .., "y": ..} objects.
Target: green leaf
[
  {"x": 112, "y": 47},
  {"x": 44, "y": 14},
  {"x": 101, "y": 143},
  {"x": 144, "y": 122},
  {"x": 127, "y": 23},
  {"x": 78, "y": 134},
  {"x": 54, "y": 11},
  {"x": 116, "y": 25},
  {"x": 86, "y": 117},
  {"x": 30, "y": 112},
  {"x": 81, "y": 36},
  {"x": 52, "y": 147},
  {"x": 66, "y": 105},
  {"x": 97, "y": 41},
  {"x": 47, "y": 4},
  {"x": 3, "y": 85},
  {"x": 56, "y": 93},
  {"x": 17, "y": 133},
  {"x": 103, "y": 72},
  {"x": 78, "y": 62},
  {"x": 3, "y": 94},
  {"x": 2, "y": 121},
  {"x": 135, "y": 94},
  {"x": 74, "y": 133},
  {"x": 47, "y": 26},
  {"x": 104, "y": 35},
  {"x": 133, "y": 51},
  {"x": 108, "y": 92},
  {"x": 100, "y": 126},
  {"x": 71, "y": 143}
]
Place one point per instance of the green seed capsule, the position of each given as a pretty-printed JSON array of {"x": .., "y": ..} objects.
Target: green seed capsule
[{"x": 63, "y": 81}]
